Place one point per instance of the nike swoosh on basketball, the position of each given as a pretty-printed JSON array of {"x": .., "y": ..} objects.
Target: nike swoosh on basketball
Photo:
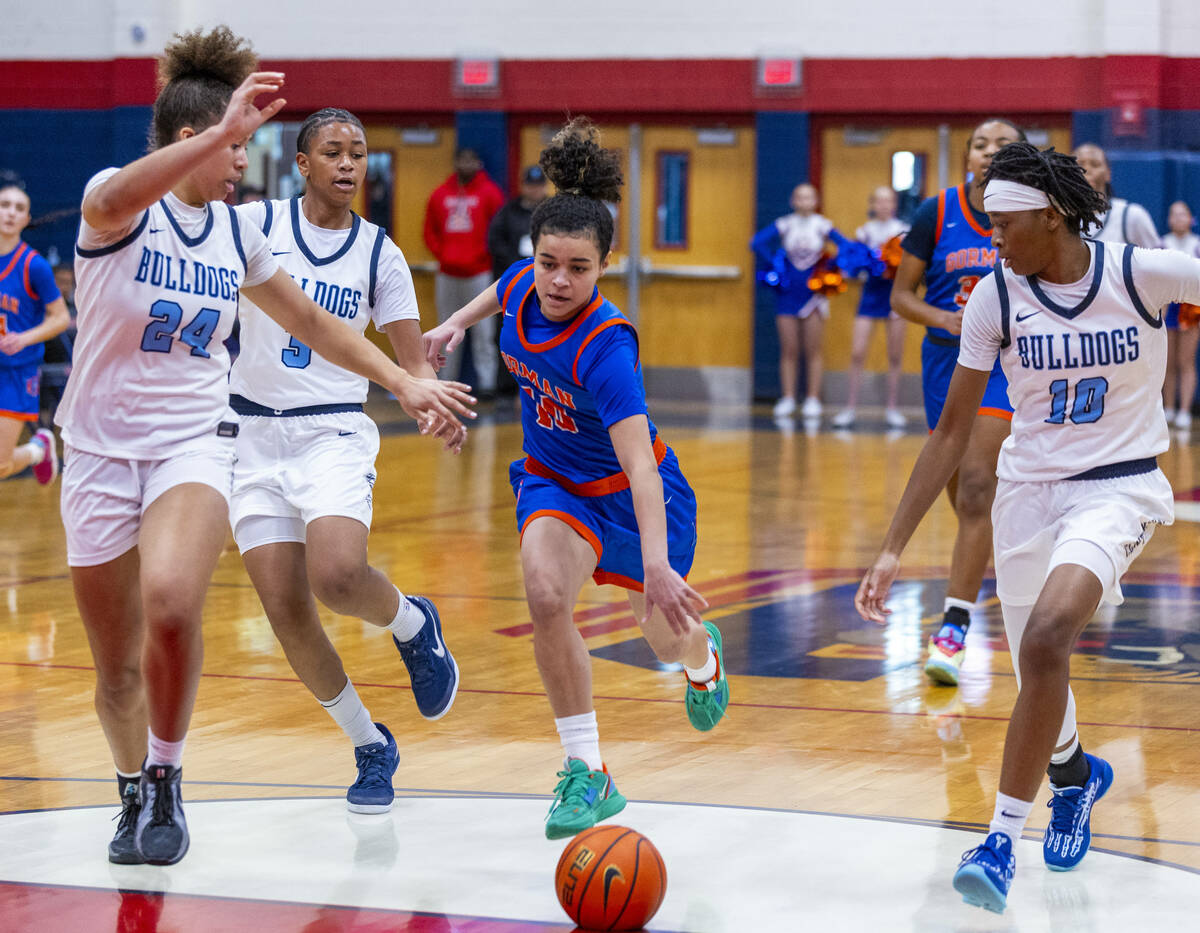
[
  {"x": 1026, "y": 317},
  {"x": 610, "y": 873}
]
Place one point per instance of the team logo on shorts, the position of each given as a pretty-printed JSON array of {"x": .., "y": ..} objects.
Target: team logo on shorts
[{"x": 32, "y": 384}]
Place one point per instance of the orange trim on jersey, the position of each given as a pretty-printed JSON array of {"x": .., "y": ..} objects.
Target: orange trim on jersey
[
  {"x": 20, "y": 251},
  {"x": 997, "y": 413},
  {"x": 606, "y": 485},
  {"x": 592, "y": 336},
  {"x": 19, "y": 415},
  {"x": 966, "y": 211},
  {"x": 511, "y": 285},
  {"x": 553, "y": 342},
  {"x": 602, "y": 577},
  {"x": 941, "y": 215},
  {"x": 25, "y": 275},
  {"x": 567, "y": 518}
]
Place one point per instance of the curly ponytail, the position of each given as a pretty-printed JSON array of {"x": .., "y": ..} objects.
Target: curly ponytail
[{"x": 586, "y": 176}]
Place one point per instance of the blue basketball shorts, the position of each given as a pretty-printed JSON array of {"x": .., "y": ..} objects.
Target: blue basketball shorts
[
  {"x": 608, "y": 522},
  {"x": 937, "y": 366},
  {"x": 19, "y": 391}
]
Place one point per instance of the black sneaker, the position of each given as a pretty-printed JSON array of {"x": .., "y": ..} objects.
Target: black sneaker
[
  {"x": 121, "y": 850},
  {"x": 161, "y": 836}
]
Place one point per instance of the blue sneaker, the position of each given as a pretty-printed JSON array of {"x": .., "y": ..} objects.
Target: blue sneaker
[
  {"x": 161, "y": 834},
  {"x": 986, "y": 872},
  {"x": 1070, "y": 831},
  {"x": 431, "y": 666},
  {"x": 372, "y": 792}
]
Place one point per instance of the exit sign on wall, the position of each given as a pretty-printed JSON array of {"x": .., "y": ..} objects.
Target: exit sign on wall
[
  {"x": 477, "y": 75},
  {"x": 779, "y": 74}
]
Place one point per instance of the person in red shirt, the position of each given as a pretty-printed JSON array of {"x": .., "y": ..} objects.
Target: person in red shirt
[{"x": 456, "y": 225}]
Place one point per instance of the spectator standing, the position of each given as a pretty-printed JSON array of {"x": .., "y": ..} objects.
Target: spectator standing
[
  {"x": 1182, "y": 332},
  {"x": 456, "y": 232}
]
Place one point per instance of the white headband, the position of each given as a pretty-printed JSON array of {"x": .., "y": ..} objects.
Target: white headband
[{"x": 1003, "y": 195}]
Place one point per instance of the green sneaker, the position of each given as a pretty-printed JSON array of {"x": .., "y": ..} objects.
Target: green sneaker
[
  {"x": 581, "y": 800},
  {"x": 706, "y": 702}
]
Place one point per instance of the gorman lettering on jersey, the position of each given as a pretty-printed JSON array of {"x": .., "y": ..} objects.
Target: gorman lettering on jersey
[
  {"x": 1074, "y": 351},
  {"x": 186, "y": 276},
  {"x": 970, "y": 258},
  {"x": 552, "y": 401},
  {"x": 341, "y": 300}
]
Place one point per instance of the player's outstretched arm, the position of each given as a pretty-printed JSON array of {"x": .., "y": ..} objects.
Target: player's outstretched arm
[
  {"x": 446, "y": 337},
  {"x": 112, "y": 204},
  {"x": 430, "y": 402},
  {"x": 665, "y": 589},
  {"x": 938, "y": 460},
  {"x": 405, "y": 338}
]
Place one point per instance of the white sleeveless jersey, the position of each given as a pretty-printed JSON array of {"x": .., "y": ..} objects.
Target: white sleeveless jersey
[
  {"x": 803, "y": 238},
  {"x": 1084, "y": 361},
  {"x": 156, "y": 301},
  {"x": 357, "y": 275},
  {"x": 877, "y": 232},
  {"x": 1126, "y": 222}
]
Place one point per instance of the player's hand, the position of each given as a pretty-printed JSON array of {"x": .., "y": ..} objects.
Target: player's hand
[
  {"x": 668, "y": 592},
  {"x": 873, "y": 591},
  {"x": 453, "y": 436},
  {"x": 12, "y": 343},
  {"x": 435, "y": 405},
  {"x": 242, "y": 117},
  {"x": 952, "y": 322},
  {"x": 442, "y": 341}
]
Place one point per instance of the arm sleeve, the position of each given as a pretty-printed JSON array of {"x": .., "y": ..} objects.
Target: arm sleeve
[
  {"x": 395, "y": 297},
  {"x": 922, "y": 237},
  {"x": 1163, "y": 275},
  {"x": 982, "y": 332},
  {"x": 41, "y": 277},
  {"x": 91, "y": 238},
  {"x": 609, "y": 371},
  {"x": 260, "y": 264},
  {"x": 765, "y": 243},
  {"x": 1141, "y": 227}
]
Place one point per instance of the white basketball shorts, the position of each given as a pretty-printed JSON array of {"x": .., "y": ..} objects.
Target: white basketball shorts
[
  {"x": 292, "y": 470},
  {"x": 104, "y": 498},
  {"x": 1100, "y": 524}
]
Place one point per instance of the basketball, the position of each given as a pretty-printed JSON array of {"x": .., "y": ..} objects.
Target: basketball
[{"x": 610, "y": 878}]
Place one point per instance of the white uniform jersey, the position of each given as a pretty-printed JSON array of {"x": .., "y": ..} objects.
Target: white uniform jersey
[
  {"x": 803, "y": 238},
  {"x": 156, "y": 301},
  {"x": 1126, "y": 222},
  {"x": 1084, "y": 361},
  {"x": 1188, "y": 244},
  {"x": 877, "y": 232},
  {"x": 357, "y": 275}
]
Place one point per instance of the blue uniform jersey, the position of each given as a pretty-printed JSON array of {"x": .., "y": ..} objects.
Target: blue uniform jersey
[
  {"x": 955, "y": 243},
  {"x": 26, "y": 287},
  {"x": 577, "y": 378}
]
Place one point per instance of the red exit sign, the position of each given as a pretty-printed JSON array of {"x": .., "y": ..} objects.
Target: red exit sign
[
  {"x": 477, "y": 74},
  {"x": 779, "y": 73}
]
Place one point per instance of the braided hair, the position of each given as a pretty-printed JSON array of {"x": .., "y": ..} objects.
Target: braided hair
[
  {"x": 1055, "y": 173},
  {"x": 315, "y": 121},
  {"x": 586, "y": 175}
]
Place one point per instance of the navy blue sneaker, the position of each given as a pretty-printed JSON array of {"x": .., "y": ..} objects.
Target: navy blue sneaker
[
  {"x": 372, "y": 792},
  {"x": 1070, "y": 831},
  {"x": 986, "y": 872},
  {"x": 122, "y": 851},
  {"x": 161, "y": 835},
  {"x": 431, "y": 666}
]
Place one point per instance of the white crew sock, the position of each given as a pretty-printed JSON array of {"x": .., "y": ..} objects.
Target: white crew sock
[
  {"x": 161, "y": 752},
  {"x": 349, "y": 712},
  {"x": 705, "y": 673},
  {"x": 580, "y": 738},
  {"x": 1010, "y": 816},
  {"x": 408, "y": 621}
]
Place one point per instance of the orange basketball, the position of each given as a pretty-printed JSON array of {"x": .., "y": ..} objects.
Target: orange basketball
[{"x": 610, "y": 878}]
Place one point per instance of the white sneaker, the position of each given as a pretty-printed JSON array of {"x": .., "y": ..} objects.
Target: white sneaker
[
  {"x": 811, "y": 407},
  {"x": 844, "y": 418},
  {"x": 1183, "y": 420},
  {"x": 894, "y": 419},
  {"x": 784, "y": 407},
  {"x": 1170, "y": 414}
]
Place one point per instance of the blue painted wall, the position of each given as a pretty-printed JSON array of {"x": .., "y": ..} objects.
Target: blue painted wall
[
  {"x": 782, "y": 162},
  {"x": 485, "y": 131},
  {"x": 56, "y": 152}
]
